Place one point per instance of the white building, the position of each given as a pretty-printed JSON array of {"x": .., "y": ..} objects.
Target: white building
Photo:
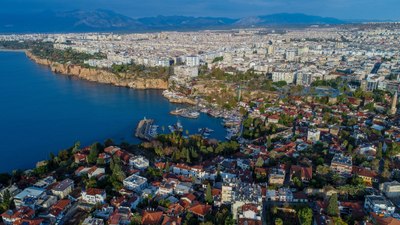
[
  {"x": 192, "y": 61},
  {"x": 93, "y": 221},
  {"x": 391, "y": 189},
  {"x": 283, "y": 76},
  {"x": 291, "y": 54},
  {"x": 227, "y": 194},
  {"x": 135, "y": 183},
  {"x": 29, "y": 197},
  {"x": 194, "y": 171},
  {"x": 94, "y": 196},
  {"x": 313, "y": 135},
  {"x": 45, "y": 182},
  {"x": 163, "y": 62},
  {"x": 379, "y": 205},
  {"x": 139, "y": 162}
]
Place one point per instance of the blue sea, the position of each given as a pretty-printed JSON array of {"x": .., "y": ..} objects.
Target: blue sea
[{"x": 43, "y": 112}]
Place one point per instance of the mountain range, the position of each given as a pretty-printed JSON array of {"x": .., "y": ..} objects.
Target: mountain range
[{"x": 106, "y": 20}]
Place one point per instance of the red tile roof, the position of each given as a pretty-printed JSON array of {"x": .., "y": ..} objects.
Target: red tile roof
[
  {"x": 384, "y": 220},
  {"x": 200, "y": 209},
  {"x": 62, "y": 204},
  {"x": 360, "y": 171},
  {"x": 171, "y": 220},
  {"x": 94, "y": 191},
  {"x": 149, "y": 218},
  {"x": 304, "y": 172}
]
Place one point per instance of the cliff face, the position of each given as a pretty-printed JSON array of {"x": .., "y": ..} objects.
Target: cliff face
[{"x": 100, "y": 76}]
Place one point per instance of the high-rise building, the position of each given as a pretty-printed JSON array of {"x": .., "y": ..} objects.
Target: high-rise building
[
  {"x": 192, "y": 61},
  {"x": 291, "y": 54}
]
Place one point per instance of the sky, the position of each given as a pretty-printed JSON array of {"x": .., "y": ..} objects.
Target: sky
[{"x": 341, "y": 9}]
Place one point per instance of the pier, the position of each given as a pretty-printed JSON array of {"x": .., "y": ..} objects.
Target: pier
[{"x": 144, "y": 129}]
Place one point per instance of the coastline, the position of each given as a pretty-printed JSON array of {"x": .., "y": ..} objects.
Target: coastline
[
  {"x": 12, "y": 50},
  {"x": 99, "y": 75},
  {"x": 105, "y": 77}
]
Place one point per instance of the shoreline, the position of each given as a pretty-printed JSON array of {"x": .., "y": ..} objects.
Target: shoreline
[
  {"x": 99, "y": 75},
  {"x": 13, "y": 50},
  {"x": 104, "y": 77}
]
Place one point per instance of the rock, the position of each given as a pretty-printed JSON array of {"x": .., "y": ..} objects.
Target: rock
[{"x": 99, "y": 75}]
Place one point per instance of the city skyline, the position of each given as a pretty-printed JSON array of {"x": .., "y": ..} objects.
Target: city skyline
[{"x": 348, "y": 10}]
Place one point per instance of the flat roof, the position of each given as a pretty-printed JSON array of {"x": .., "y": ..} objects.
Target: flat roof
[{"x": 30, "y": 191}]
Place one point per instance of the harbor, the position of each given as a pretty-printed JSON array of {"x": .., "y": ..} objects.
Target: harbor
[
  {"x": 187, "y": 113},
  {"x": 146, "y": 130}
]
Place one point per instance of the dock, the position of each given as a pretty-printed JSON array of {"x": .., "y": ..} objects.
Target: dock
[{"x": 143, "y": 130}]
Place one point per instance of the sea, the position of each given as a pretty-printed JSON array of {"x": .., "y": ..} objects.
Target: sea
[{"x": 43, "y": 112}]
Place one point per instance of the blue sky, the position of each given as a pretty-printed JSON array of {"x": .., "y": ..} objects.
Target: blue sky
[{"x": 342, "y": 9}]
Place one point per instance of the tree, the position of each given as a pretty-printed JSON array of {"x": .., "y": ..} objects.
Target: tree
[
  {"x": 209, "y": 198},
  {"x": 100, "y": 162},
  {"x": 379, "y": 151},
  {"x": 297, "y": 182},
  {"x": 223, "y": 216},
  {"x": 339, "y": 221},
  {"x": 190, "y": 219},
  {"x": 108, "y": 142},
  {"x": 278, "y": 221},
  {"x": 356, "y": 180},
  {"x": 323, "y": 170},
  {"x": 136, "y": 219},
  {"x": 333, "y": 207},
  {"x": 7, "y": 198},
  {"x": 167, "y": 167},
  {"x": 118, "y": 174},
  {"x": 94, "y": 152},
  {"x": 218, "y": 178},
  {"x": 269, "y": 142},
  {"x": 260, "y": 162},
  {"x": 76, "y": 147},
  {"x": 305, "y": 216}
]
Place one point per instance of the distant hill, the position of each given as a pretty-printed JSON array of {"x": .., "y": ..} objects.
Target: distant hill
[
  {"x": 106, "y": 20},
  {"x": 184, "y": 22},
  {"x": 288, "y": 19},
  {"x": 67, "y": 21}
]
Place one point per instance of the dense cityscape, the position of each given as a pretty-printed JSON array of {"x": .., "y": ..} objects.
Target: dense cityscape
[{"x": 312, "y": 130}]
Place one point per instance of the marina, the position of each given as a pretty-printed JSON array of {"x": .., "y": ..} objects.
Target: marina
[
  {"x": 187, "y": 113},
  {"x": 177, "y": 127},
  {"x": 57, "y": 94},
  {"x": 146, "y": 130}
]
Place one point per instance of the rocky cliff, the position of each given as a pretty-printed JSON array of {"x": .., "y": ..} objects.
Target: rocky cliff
[{"x": 99, "y": 75}]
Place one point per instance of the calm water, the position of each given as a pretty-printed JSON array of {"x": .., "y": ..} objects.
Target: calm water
[{"x": 42, "y": 112}]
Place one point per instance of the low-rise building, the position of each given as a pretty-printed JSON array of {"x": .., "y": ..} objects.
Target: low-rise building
[
  {"x": 135, "y": 183},
  {"x": 139, "y": 162},
  {"x": 301, "y": 172},
  {"x": 379, "y": 204},
  {"x": 342, "y": 164},
  {"x": 249, "y": 214},
  {"x": 12, "y": 190},
  {"x": 200, "y": 210},
  {"x": 63, "y": 188},
  {"x": 11, "y": 217},
  {"x": 94, "y": 196},
  {"x": 276, "y": 176},
  {"x": 45, "y": 182},
  {"x": 313, "y": 135},
  {"x": 29, "y": 197},
  {"x": 391, "y": 189},
  {"x": 93, "y": 221},
  {"x": 369, "y": 176}
]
